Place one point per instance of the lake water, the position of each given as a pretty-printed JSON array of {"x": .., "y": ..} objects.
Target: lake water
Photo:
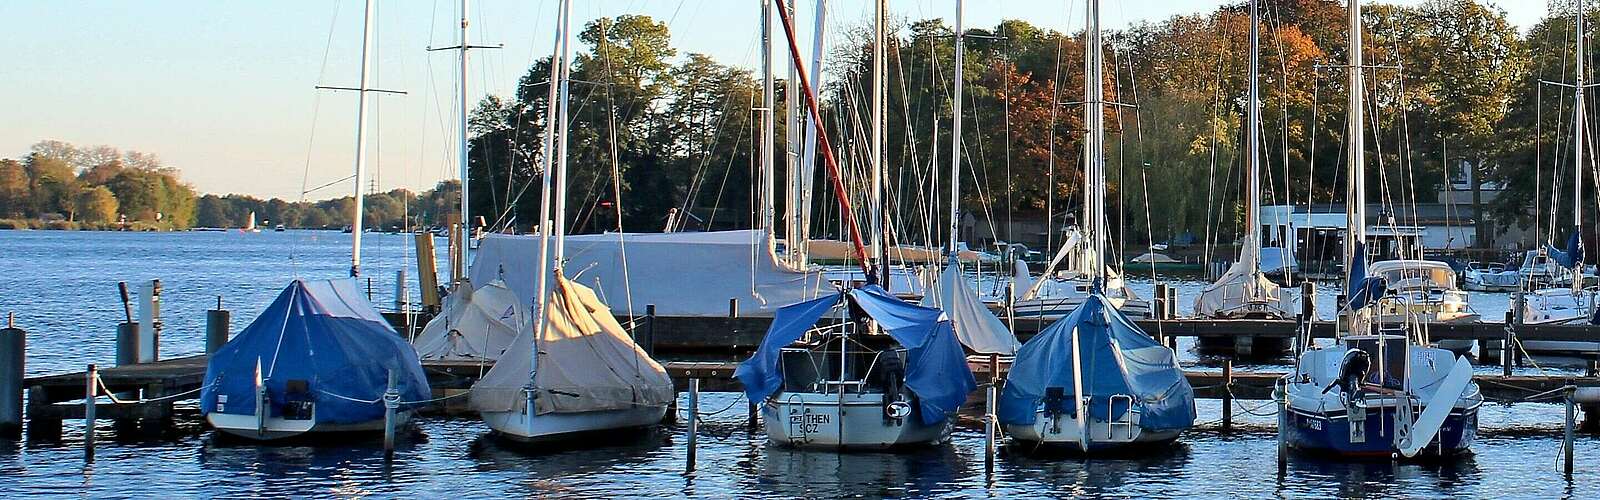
[{"x": 62, "y": 287}]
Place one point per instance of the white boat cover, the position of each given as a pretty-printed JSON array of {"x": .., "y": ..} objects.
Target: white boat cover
[
  {"x": 1239, "y": 287},
  {"x": 683, "y": 274},
  {"x": 975, "y": 326},
  {"x": 473, "y": 324},
  {"x": 1153, "y": 258},
  {"x": 586, "y": 362}
]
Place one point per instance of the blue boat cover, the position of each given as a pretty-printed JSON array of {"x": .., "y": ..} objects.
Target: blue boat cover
[
  {"x": 1572, "y": 255},
  {"x": 326, "y": 334},
  {"x": 1363, "y": 289},
  {"x": 1117, "y": 358},
  {"x": 936, "y": 366}
]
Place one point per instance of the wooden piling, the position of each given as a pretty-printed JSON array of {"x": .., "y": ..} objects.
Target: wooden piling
[
  {"x": 90, "y": 389},
  {"x": 694, "y": 422},
  {"x": 1569, "y": 429},
  {"x": 391, "y": 404},
  {"x": 427, "y": 271},
  {"x": 1227, "y": 395},
  {"x": 13, "y": 358}
]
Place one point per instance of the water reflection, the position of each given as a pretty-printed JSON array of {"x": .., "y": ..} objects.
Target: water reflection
[{"x": 921, "y": 471}]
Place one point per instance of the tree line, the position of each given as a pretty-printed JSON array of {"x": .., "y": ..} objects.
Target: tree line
[
  {"x": 62, "y": 185},
  {"x": 1453, "y": 91}
]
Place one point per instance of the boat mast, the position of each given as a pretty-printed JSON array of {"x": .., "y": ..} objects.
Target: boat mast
[
  {"x": 361, "y": 137},
  {"x": 955, "y": 131},
  {"x": 1094, "y": 154},
  {"x": 555, "y": 118},
  {"x": 462, "y": 155},
  {"x": 1250, "y": 253},
  {"x": 808, "y": 157},
  {"x": 1355, "y": 210},
  {"x": 768, "y": 133},
  {"x": 1579, "y": 124},
  {"x": 791, "y": 117},
  {"x": 878, "y": 87}
]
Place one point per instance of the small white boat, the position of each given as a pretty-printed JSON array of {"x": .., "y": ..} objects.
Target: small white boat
[
  {"x": 1422, "y": 288},
  {"x": 845, "y": 386}
]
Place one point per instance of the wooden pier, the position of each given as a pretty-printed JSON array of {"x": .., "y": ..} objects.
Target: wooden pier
[{"x": 707, "y": 349}]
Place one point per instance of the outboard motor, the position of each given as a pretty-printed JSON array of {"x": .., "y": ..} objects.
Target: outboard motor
[
  {"x": 888, "y": 378},
  {"x": 1354, "y": 367}
]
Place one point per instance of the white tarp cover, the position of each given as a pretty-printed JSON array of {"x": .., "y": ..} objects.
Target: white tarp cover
[
  {"x": 587, "y": 362},
  {"x": 975, "y": 326},
  {"x": 473, "y": 324},
  {"x": 1228, "y": 296},
  {"x": 683, "y": 274}
]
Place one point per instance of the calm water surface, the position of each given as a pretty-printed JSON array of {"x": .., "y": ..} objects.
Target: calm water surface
[{"x": 62, "y": 286}]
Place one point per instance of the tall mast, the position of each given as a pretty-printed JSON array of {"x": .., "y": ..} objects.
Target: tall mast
[
  {"x": 1094, "y": 154},
  {"x": 808, "y": 157},
  {"x": 553, "y": 190},
  {"x": 791, "y": 113},
  {"x": 1579, "y": 123},
  {"x": 878, "y": 86},
  {"x": 466, "y": 221},
  {"x": 1355, "y": 210},
  {"x": 560, "y": 187},
  {"x": 361, "y": 138},
  {"x": 1250, "y": 253},
  {"x": 767, "y": 127},
  {"x": 955, "y": 130}
]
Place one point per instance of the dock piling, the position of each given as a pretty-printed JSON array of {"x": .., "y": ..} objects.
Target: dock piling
[
  {"x": 391, "y": 404},
  {"x": 218, "y": 322},
  {"x": 1227, "y": 395},
  {"x": 750, "y": 417},
  {"x": 402, "y": 299},
  {"x": 694, "y": 421},
  {"x": 90, "y": 379},
  {"x": 990, "y": 427},
  {"x": 149, "y": 322},
  {"x": 649, "y": 343},
  {"x": 1506, "y": 345},
  {"x": 13, "y": 358},
  {"x": 128, "y": 344},
  {"x": 1282, "y": 400},
  {"x": 1568, "y": 429}
]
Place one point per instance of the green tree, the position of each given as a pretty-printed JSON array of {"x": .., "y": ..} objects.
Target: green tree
[
  {"x": 97, "y": 205},
  {"x": 14, "y": 192}
]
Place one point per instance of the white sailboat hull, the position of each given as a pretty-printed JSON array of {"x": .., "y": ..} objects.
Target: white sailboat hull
[
  {"x": 1062, "y": 431},
  {"x": 813, "y": 420},
  {"x": 275, "y": 428},
  {"x": 525, "y": 426}
]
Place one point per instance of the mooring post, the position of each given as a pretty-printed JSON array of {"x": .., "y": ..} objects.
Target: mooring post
[
  {"x": 13, "y": 357},
  {"x": 391, "y": 404},
  {"x": 218, "y": 322},
  {"x": 90, "y": 379},
  {"x": 1505, "y": 345},
  {"x": 990, "y": 424},
  {"x": 149, "y": 334},
  {"x": 649, "y": 329},
  {"x": 128, "y": 344},
  {"x": 1227, "y": 395},
  {"x": 694, "y": 421},
  {"x": 1281, "y": 397},
  {"x": 402, "y": 299},
  {"x": 1570, "y": 429},
  {"x": 1161, "y": 302},
  {"x": 751, "y": 422}
]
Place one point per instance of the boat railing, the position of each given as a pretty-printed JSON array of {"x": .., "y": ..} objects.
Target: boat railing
[{"x": 1126, "y": 422}]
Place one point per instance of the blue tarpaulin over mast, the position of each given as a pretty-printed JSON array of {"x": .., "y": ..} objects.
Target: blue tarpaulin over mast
[
  {"x": 1116, "y": 357},
  {"x": 323, "y": 335},
  {"x": 936, "y": 366}
]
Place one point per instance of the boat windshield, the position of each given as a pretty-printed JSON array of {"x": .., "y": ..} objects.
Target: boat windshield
[{"x": 1415, "y": 277}]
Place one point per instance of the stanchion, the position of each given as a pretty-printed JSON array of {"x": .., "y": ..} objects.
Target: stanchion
[
  {"x": 694, "y": 421},
  {"x": 91, "y": 377}
]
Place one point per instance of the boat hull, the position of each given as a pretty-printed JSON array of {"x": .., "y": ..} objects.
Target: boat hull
[
  {"x": 246, "y": 426},
  {"x": 1329, "y": 433},
  {"x": 813, "y": 420},
  {"x": 527, "y": 427},
  {"x": 1061, "y": 432}
]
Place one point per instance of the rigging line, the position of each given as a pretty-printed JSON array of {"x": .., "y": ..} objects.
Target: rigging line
[
  {"x": 311, "y": 137},
  {"x": 1211, "y": 169}
]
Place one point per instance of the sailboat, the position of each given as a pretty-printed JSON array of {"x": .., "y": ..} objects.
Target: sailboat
[
  {"x": 887, "y": 373},
  {"x": 573, "y": 370},
  {"x": 1572, "y": 304},
  {"x": 1070, "y": 278},
  {"x": 1094, "y": 380},
  {"x": 320, "y": 359},
  {"x": 250, "y": 224},
  {"x": 1244, "y": 291},
  {"x": 1379, "y": 390}
]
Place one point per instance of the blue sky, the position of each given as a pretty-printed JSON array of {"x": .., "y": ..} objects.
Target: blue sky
[{"x": 223, "y": 89}]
